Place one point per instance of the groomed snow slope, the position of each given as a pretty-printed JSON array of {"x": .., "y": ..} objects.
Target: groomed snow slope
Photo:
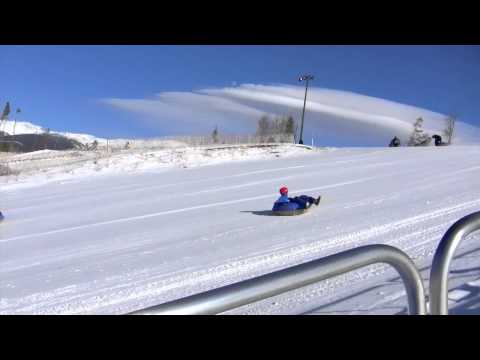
[{"x": 117, "y": 243}]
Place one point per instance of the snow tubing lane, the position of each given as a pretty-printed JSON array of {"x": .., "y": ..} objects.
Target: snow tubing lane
[{"x": 287, "y": 209}]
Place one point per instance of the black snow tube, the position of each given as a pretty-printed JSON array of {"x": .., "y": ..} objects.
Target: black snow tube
[
  {"x": 1, "y": 216},
  {"x": 287, "y": 209}
]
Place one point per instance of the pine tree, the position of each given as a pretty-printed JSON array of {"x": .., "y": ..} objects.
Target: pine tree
[
  {"x": 215, "y": 135},
  {"x": 6, "y": 111},
  {"x": 418, "y": 137},
  {"x": 4, "y": 117}
]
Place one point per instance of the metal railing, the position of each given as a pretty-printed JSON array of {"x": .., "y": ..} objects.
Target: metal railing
[
  {"x": 246, "y": 292},
  {"x": 442, "y": 259}
]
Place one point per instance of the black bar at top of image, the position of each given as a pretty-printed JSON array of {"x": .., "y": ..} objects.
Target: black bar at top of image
[{"x": 239, "y": 26}]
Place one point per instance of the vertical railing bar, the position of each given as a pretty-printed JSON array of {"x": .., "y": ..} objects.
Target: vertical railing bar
[{"x": 443, "y": 258}]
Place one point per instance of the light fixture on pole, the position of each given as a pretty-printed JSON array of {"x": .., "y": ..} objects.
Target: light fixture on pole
[{"x": 305, "y": 78}]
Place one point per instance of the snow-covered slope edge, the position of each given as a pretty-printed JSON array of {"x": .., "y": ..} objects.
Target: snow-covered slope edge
[{"x": 48, "y": 165}]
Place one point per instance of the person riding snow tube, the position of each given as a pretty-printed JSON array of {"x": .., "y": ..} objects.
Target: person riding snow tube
[
  {"x": 293, "y": 206},
  {"x": 1, "y": 216},
  {"x": 395, "y": 142},
  {"x": 438, "y": 140}
]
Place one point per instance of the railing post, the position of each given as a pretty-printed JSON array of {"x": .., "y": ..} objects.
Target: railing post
[
  {"x": 263, "y": 287},
  {"x": 442, "y": 259}
]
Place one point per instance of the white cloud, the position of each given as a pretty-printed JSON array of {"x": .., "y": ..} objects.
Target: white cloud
[
  {"x": 190, "y": 113},
  {"x": 332, "y": 116}
]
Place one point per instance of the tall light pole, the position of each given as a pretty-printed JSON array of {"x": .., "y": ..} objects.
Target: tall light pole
[{"x": 305, "y": 78}]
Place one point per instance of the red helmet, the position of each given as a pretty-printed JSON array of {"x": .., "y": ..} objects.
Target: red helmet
[{"x": 284, "y": 190}]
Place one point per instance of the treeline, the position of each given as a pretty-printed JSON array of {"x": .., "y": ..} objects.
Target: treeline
[
  {"x": 219, "y": 139},
  {"x": 278, "y": 129}
]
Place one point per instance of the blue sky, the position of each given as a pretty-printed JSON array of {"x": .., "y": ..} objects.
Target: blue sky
[{"x": 62, "y": 87}]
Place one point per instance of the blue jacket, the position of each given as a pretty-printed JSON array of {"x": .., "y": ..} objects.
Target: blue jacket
[{"x": 283, "y": 199}]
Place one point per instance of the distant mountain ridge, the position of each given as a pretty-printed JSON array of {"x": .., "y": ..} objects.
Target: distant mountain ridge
[{"x": 25, "y": 127}]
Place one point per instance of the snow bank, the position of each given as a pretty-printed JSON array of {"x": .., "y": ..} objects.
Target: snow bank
[{"x": 48, "y": 165}]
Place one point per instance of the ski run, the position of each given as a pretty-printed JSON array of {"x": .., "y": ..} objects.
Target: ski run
[{"x": 111, "y": 235}]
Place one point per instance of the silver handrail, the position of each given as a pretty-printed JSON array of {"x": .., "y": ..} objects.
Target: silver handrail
[
  {"x": 248, "y": 291},
  {"x": 442, "y": 259}
]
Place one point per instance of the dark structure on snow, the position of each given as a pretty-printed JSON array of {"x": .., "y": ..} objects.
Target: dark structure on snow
[{"x": 34, "y": 142}]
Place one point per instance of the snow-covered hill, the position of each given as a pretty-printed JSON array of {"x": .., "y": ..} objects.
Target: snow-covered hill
[
  {"x": 20, "y": 127},
  {"x": 117, "y": 243},
  {"x": 333, "y": 117}
]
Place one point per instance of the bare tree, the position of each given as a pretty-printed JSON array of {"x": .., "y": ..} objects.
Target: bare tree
[
  {"x": 263, "y": 126},
  {"x": 290, "y": 126},
  {"x": 295, "y": 134},
  {"x": 449, "y": 131}
]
